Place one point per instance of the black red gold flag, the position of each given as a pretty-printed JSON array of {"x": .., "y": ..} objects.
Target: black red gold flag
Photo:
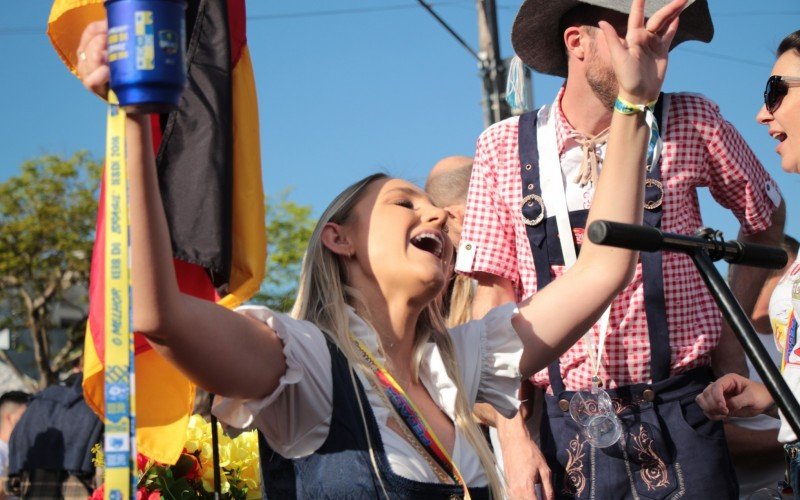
[{"x": 209, "y": 166}]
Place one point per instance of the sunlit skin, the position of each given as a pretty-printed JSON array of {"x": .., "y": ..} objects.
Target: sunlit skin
[
  {"x": 10, "y": 420},
  {"x": 784, "y": 123},
  {"x": 397, "y": 279},
  {"x": 381, "y": 231}
]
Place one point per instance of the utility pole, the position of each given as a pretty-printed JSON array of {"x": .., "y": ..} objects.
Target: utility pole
[{"x": 493, "y": 70}]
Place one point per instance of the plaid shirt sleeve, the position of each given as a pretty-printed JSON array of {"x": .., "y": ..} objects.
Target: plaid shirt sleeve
[
  {"x": 487, "y": 238},
  {"x": 736, "y": 178}
]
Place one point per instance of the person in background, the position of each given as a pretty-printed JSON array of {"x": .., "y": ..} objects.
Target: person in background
[
  {"x": 753, "y": 441},
  {"x": 447, "y": 185},
  {"x": 734, "y": 395},
  {"x": 533, "y": 181},
  {"x": 50, "y": 450},
  {"x": 12, "y": 405}
]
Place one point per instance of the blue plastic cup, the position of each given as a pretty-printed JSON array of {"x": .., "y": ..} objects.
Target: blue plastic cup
[{"x": 146, "y": 53}]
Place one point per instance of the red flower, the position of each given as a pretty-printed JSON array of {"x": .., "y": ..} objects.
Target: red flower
[
  {"x": 97, "y": 494},
  {"x": 141, "y": 462},
  {"x": 143, "y": 494},
  {"x": 195, "y": 472}
]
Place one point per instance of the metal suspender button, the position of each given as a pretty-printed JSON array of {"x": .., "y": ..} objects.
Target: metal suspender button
[
  {"x": 564, "y": 405},
  {"x": 529, "y": 201},
  {"x": 654, "y": 203},
  {"x": 649, "y": 395}
]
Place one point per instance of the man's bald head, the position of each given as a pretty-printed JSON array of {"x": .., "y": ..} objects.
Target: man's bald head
[
  {"x": 447, "y": 186},
  {"x": 448, "y": 181}
]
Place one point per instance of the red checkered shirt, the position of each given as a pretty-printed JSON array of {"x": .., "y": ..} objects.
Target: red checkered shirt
[{"x": 701, "y": 149}]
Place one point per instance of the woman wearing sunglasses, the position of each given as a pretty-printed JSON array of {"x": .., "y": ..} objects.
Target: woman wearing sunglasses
[{"x": 734, "y": 395}]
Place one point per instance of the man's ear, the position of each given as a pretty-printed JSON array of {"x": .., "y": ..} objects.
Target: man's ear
[
  {"x": 335, "y": 237},
  {"x": 457, "y": 212},
  {"x": 575, "y": 39}
]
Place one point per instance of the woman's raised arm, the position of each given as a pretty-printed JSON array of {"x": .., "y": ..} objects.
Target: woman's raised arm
[{"x": 220, "y": 350}]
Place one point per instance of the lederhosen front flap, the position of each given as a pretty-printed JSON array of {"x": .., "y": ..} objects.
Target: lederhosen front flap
[{"x": 542, "y": 232}]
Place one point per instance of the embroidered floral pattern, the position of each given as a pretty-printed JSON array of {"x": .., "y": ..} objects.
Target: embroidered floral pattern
[
  {"x": 575, "y": 480},
  {"x": 622, "y": 404},
  {"x": 654, "y": 471}
]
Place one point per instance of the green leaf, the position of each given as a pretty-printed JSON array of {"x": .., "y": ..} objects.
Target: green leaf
[
  {"x": 289, "y": 227},
  {"x": 47, "y": 222}
]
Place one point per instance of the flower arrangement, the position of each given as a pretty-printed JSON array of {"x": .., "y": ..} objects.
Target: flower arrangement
[{"x": 192, "y": 476}]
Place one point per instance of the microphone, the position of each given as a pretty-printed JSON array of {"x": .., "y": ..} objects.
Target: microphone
[{"x": 650, "y": 239}]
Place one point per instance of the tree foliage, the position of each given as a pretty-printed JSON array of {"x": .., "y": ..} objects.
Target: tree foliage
[
  {"x": 47, "y": 219},
  {"x": 47, "y": 230},
  {"x": 289, "y": 227}
]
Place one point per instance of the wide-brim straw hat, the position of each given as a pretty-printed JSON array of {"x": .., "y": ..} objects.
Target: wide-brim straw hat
[{"x": 538, "y": 41}]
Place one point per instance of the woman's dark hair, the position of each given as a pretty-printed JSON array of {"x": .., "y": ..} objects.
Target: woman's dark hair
[{"x": 791, "y": 42}]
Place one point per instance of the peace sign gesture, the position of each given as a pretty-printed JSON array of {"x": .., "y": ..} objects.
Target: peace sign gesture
[{"x": 640, "y": 58}]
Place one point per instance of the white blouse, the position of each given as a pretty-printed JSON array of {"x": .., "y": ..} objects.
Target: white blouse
[
  {"x": 296, "y": 417},
  {"x": 784, "y": 301}
]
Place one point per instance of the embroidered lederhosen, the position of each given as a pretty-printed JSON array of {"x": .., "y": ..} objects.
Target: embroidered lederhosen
[
  {"x": 341, "y": 467},
  {"x": 669, "y": 449}
]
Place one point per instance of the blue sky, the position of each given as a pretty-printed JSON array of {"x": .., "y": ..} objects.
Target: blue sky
[{"x": 380, "y": 86}]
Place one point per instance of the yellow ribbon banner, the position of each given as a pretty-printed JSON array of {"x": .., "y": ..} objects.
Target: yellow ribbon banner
[{"x": 120, "y": 430}]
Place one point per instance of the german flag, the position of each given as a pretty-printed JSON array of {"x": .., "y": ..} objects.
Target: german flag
[{"x": 209, "y": 165}]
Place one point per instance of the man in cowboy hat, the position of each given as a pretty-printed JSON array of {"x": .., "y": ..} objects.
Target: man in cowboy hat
[{"x": 532, "y": 183}]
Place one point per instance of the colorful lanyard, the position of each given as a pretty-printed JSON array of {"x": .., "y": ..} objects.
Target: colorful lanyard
[
  {"x": 412, "y": 417},
  {"x": 120, "y": 428},
  {"x": 790, "y": 339}
]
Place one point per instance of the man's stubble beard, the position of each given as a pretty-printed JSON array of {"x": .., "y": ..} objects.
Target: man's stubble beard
[{"x": 601, "y": 80}]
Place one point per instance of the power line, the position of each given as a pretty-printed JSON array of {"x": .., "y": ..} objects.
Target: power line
[
  {"x": 36, "y": 30},
  {"x": 337, "y": 12},
  {"x": 450, "y": 30}
]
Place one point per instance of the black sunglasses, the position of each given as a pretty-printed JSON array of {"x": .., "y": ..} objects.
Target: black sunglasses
[{"x": 777, "y": 87}]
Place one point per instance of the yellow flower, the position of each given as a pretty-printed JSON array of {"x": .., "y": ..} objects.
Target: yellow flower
[
  {"x": 98, "y": 459},
  {"x": 224, "y": 454},
  {"x": 238, "y": 457},
  {"x": 254, "y": 494},
  {"x": 208, "y": 481},
  {"x": 251, "y": 475}
]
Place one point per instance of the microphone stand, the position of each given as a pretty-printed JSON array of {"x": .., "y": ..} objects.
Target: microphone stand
[{"x": 705, "y": 248}]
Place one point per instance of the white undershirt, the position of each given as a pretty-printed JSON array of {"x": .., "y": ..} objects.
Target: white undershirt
[{"x": 295, "y": 418}]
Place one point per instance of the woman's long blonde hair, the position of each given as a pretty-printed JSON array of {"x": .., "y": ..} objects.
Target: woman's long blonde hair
[{"x": 324, "y": 294}]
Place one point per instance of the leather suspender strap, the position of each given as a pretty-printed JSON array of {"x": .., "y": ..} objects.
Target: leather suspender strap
[
  {"x": 532, "y": 204},
  {"x": 652, "y": 267},
  {"x": 652, "y": 272}
]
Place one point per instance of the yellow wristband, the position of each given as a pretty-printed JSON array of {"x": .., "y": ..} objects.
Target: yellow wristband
[{"x": 628, "y": 108}]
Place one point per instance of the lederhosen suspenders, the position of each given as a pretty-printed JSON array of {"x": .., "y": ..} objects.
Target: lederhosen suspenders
[
  {"x": 542, "y": 236},
  {"x": 670, "y": 449}
]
